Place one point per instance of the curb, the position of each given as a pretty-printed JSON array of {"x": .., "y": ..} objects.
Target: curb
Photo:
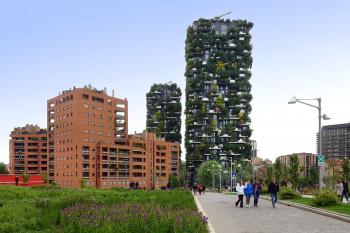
[
  {"x": 201, "y": 210},
  {"x": 330, "y": 214}
]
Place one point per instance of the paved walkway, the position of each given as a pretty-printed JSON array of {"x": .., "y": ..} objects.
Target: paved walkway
[{"x": 226, "y": 218}]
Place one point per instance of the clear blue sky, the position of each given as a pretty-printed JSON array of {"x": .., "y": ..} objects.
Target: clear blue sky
[{"x": 299, "y": 48}]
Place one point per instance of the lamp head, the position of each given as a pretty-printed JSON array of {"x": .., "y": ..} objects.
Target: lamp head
[
  {"x": 325, "y": 117},
  {"x": 293, "y": 100}
]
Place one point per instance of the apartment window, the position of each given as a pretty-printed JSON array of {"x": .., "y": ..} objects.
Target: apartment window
[
  {"x": 85, "y": 96},
  {"x": 86, "y": 106},
  {"x": 99, "y": 133},
  {"x": 86, "y": 131},
  {"x": 86, "y": 140},
  {"x": 92, "y": 131}
]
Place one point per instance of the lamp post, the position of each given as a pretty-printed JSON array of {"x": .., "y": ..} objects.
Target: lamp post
[
  {"x": 213, "y": 178},
  {"x": 320, "y": 117}
]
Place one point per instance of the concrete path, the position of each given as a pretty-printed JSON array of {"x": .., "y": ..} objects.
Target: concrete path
[{"x": 227, "y": 218}]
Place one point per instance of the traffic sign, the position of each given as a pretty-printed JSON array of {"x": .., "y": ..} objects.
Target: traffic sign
[{"x": 320, "y": 160}]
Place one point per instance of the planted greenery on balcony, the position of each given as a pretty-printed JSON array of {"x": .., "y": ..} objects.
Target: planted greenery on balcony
[
  {"x": 164, "y": 111},
  {"x": 218, "y": 57}
]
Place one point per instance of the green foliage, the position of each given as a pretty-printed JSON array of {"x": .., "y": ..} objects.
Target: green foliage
[
  {"x": 288, "y": 193},
  {"x": 174, "y": 181},
  {"x": 83, "y": 183},
  {"x": 3, "y": 169},
  {"x": 294, "y": 170},
  {"x": 313, "y": 175},
  {"x": 325, "y": 197},
  {"x": 51, "y": 209},
  {"x": 346, "y": 169},
  {"x": 45, "y": 178},
  {"x": 26, "y": 178},
  {"x": 269, "y": 174},
  {"x": 206, "y": 171},
  {"x": 278, "y": 169},
  {"x": 264, "y": 190}
]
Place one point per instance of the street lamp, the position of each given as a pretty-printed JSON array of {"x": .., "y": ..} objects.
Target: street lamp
[{"x": 321, "y": 116}]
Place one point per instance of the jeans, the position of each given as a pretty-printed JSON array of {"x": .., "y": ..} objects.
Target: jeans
[
  {"x": 247, "y": 199},
  {"x": 240, "y": 200},
  {"x": 346, "y": 195},
  {"x": 256, "y": 198},
  {"x": 273, "y": 198}
]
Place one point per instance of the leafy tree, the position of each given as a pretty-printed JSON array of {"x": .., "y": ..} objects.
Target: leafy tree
[
  {"x": 3, "y": 169},
  {"x": 26, "y": 178},
  {"x": 269, "y": 174},
  {"x": 285, "y": 173},
  {"x": 294, "y": 170},
  {"x": 346, "y": 169},
  {"x": 313, "y": 175},
  {"x": 278, "y": 169},
  {"x": 206, "y": 171},
  {"x": 174, "y": 181}
]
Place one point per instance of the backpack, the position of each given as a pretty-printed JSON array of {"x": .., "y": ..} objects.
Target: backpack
[{"x": 248, "y": 190}]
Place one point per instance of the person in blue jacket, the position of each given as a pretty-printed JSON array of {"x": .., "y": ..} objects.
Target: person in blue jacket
[{"x": 248, "y": 191}]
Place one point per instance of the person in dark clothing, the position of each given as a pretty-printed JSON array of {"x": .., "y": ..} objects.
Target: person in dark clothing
[
  {"x": 194, "y": 188},
  {"x": 257, "y": 190},
  {"x": 203, "y": 189},
  {"x": 273, "y": 190},
  {"x": 16, "y": 180},
  {"x": 345, "y": 193}
]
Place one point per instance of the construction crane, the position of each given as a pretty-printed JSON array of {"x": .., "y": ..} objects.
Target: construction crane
[{"x": 220, "y": 16}]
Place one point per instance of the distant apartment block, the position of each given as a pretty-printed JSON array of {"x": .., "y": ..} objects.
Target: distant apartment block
[
  {"x": 88, "y": 143},
  {"x": 28, "y": 150},
  {"x": 336, "y": 141},
  {"x": 306, "y": 160}
]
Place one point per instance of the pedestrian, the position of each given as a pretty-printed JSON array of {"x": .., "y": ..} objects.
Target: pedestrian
[
  {"x": 240, "y": 191},
  {"x": 199, "y": 187},
  {"x": 203, "y": 189},
  {"x": 248, "y": 191},
  {"x": 345, "y": 193},
  {"x": 273, "y": 190},
  {"x": 16, "y": 180},
  {"x": 257, "y": 190},
  {"x": 339, "y": 189},
  {"x": 194, "y": 188}
]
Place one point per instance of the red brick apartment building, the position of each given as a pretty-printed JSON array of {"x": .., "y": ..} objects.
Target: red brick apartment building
[
  {"x": 306, "y": 160},
  {"x": 88, "y": 142},
  {"x": 28, "y": 150}
]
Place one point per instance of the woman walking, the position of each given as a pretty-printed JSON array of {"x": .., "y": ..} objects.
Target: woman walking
[
  {"x": 248, "y": 191},
  {"x": 339, "y": 189},
  {"x": 240, "y": 191},
  {"x": 257, "y": 190}
]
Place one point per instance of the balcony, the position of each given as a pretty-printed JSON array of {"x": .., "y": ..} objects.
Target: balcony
[{"x": 86, "y": 152}]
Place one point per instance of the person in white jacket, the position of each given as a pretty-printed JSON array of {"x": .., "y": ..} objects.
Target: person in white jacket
[{"x": 240, "y": 191}]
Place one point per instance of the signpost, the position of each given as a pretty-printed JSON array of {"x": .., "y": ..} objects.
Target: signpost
[{"x": 320, "y": 160}]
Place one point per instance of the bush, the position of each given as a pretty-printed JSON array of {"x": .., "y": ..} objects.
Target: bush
[
  {"x": 288, "y": 193},
  {"x": 325, "y": 197},
  {"x": 264, "y": 190}
]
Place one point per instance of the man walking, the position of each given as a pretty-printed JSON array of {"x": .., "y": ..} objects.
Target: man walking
[{"x": 273, "y": 190}]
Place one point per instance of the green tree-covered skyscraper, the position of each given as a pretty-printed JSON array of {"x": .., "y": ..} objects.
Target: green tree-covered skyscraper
[
  {"x": 164, "y": 111},
  {"x": 218, "y": 57}
]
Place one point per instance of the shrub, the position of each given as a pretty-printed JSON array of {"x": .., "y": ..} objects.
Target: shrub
[
  {"x": 264, "y": 190},
  {"x": 325, "y": 197},
  {"x": 288, "y": 193}
]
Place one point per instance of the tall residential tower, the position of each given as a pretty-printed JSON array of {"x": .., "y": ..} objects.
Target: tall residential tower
[
  {"x": 164, "y": 111},
  {"x": 218, "y": 57}
]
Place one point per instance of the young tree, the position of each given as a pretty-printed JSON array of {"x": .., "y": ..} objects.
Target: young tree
[
  {"x": 278, "y": 170},
  {"x": 294, "y": 170},
  {"x": 346, "y": 169},
  {"x": 206, "y": 171},
  {"x": 285, "y": 173},
  {"x": 313, "y": 175},
  {"x": 3, "y": 169},
  {"x": 269, "y": 174}
]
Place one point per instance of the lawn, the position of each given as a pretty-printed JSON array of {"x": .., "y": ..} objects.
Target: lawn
[
  {"x": 52, "y": 209},
  {"x": 340, "y": 208}
]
